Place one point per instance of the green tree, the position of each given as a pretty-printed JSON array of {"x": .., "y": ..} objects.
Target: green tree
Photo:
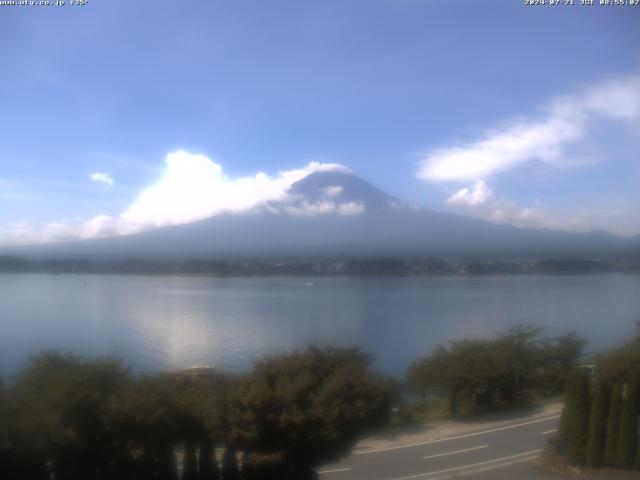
[
  {"x": 506, "y": 369},
  {"x": 579, "y": 420},
  {"x": 433, "y": 374},
  {"x": 628, "y": 440},
  {"x": 311, "y": 406},
  {"x": 557, "y": 358},
  {"x": 147, "y": 415},
  {"x": 468, "y": 368},
  {"x": 598, "y": 422},
  {"x": 622, "y": 363},
  {"x": 613, "y": 424},
  {"x": 518, "y": 359},
  {"x": 59, "y": 408}
]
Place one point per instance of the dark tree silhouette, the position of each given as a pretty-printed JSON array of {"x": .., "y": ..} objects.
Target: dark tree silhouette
[
  {"x": 579, "y": 420},
  {"x": 628, "y": 439},
  {"x": 613, "y": 424},
  {"x": 598, "y": 422}
]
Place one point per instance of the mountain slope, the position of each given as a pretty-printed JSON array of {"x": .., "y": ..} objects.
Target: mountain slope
[
  {"x": 314, "y": 221},
  {"x": 342, "y": 187}
]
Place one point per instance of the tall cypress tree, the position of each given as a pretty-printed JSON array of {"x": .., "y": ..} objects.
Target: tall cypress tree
[
  {"x": 628, "y": 441},
  {"x": 567, "y": 411},
  {"x": 613, "y": 424},
  {"x": 598, "y": 422},
  {"x": 579, "y": 420}
]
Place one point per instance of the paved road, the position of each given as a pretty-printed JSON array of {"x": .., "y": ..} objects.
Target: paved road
[{"x": 502, "y": 452}]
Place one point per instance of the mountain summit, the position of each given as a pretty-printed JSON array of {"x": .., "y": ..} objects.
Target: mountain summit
[{"x": 340, "y": 188}]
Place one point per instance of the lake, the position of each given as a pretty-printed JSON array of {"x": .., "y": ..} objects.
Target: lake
[{"x": 160, "y": 322}]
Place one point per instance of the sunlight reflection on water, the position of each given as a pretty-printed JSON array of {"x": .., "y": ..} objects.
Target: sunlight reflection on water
[{"x": 170, "y": 322}]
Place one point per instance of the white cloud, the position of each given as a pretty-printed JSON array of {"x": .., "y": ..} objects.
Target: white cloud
[
  {"x": 551, "y": 139},
  {"x": 14, "y": 233},
  {"x": 99, "y": 226},
  {"x": 332, "y": 190},
  {"x": 566, "y": 121},
  {"x": 617, "y": 99},
  {"x": 102, "y": 177},
  {"x": 192, "y": 187},
  {"x": 306, "y": 208},
  {"x": 479, "y": 194},
  {"x": 351, "y": 208},
  {"x": 482, "y": 202}
]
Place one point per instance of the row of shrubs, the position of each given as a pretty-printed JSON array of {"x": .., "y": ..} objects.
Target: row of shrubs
[
  {"x": 65, "y": 418},
  {"x": 600, "y": 425}
]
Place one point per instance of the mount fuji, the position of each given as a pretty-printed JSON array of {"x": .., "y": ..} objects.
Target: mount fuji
[{"x": 335, "y": 213}]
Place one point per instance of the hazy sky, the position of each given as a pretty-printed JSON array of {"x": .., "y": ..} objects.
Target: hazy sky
[{"x": 118, "y": 111}]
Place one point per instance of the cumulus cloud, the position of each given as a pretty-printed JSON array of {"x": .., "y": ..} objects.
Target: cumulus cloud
[
  {"x": 481, "y": 201},
  {"x": 565, "y": 124},
  {"x": 566, "y": 121},
  {"x": 479, "y": 194},
  {"x": 15, "y": 233},
  {"x": 306, "y": 208},
  {"x": 102, "y": 177},
  {"x": 192, "y": 187}
]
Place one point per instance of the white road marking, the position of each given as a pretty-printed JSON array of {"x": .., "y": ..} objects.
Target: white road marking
[
  {"x": 475, "y": 471},
  {"x": 384, "y": 449},
  {"x": 494, "y": 467},
  {"x": 463, "y": 467},
  {"x": 550, "y": 431},
  {"x": 335, "y": 470},
  {"x": 455, "y": 452}
]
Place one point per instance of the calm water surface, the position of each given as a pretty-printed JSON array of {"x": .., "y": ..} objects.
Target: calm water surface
[{"x": 168, "y": 322}]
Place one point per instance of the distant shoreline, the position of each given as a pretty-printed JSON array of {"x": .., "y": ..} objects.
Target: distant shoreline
[
  {"x": 323, "y": 276},
  {"x": 386, "y": 266}
]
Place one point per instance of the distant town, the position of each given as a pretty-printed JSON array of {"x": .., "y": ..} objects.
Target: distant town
[{"x": 326, "y": 266}]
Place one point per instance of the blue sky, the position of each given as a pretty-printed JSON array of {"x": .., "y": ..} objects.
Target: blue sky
[{"x": 518, "y": 114}]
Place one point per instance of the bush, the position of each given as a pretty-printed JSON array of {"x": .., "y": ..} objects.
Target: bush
[
  {"x": 74, "y": 419},
  {"x": 622, "y": 363},
  {"x": 312, "y": 406},
  {"x": 60, "y": 414}
]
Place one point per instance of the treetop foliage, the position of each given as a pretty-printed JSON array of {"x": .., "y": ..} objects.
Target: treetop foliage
[
  {"x": 84, "y": 419},
  {"x": 505, "y": 368}
]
